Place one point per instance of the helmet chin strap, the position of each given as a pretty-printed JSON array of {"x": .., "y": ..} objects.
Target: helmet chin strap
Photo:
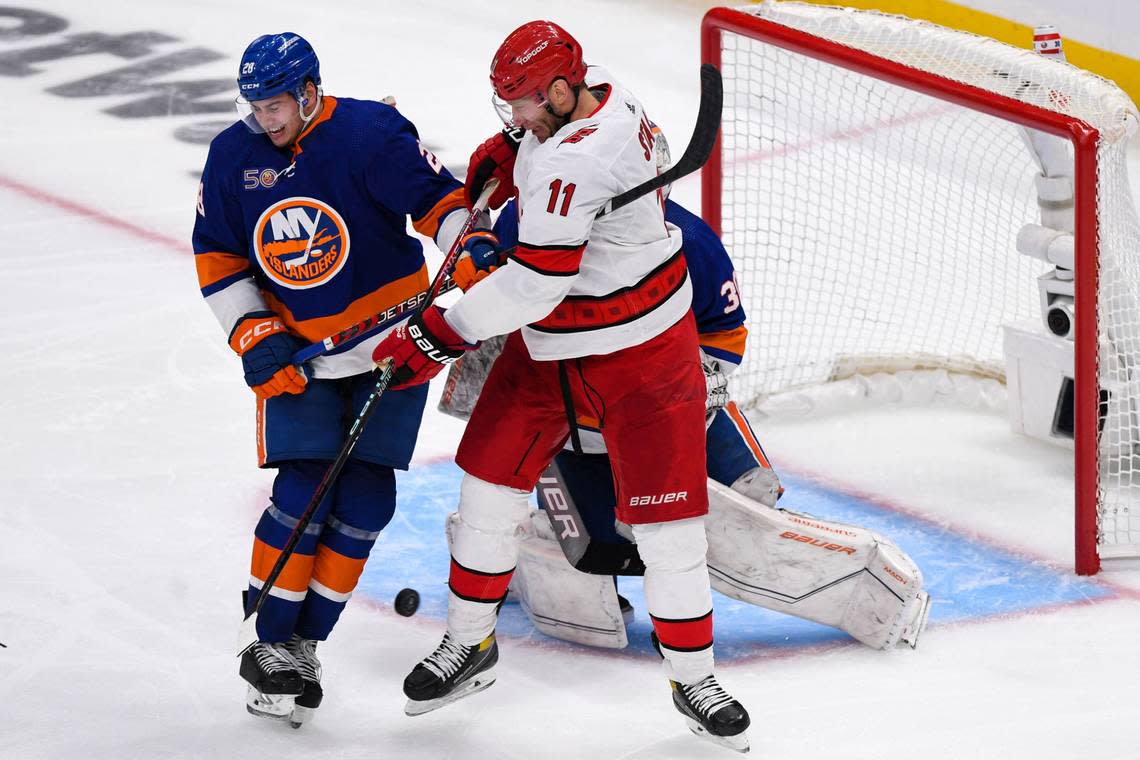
[{"x": 303, "y": 101}]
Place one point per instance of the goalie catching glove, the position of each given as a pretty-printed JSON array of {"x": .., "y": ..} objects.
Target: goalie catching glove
[
  {"x": 495, "y": 158},
  {"x": 266, "y": 350},
  {"x": 420, "y": 348},
  {"x": 716, "y": 387}
]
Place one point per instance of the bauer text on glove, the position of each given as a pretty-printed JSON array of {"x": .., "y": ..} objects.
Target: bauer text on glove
[{"x": 420, "y": 348}]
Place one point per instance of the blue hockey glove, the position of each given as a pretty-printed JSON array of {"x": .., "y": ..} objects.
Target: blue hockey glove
[
  {"x": 480, "y": 257},
  {"x": 266, "y": 349}
]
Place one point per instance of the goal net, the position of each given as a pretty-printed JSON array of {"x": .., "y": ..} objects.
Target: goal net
[{"x": 872, "y": 178}]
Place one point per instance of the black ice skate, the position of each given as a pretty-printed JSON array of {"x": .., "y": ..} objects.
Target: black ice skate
[
  {"x": 450, "y": 673},
  {"x": 304, "y": 651},
  {"x": 274, "y": 680},
  {"x": 711, "y": 713}
]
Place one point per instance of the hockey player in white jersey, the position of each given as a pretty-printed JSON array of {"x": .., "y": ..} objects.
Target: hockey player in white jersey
[
  {"x": 598, "y": 316},
  {"x": 832, "y": 573}
]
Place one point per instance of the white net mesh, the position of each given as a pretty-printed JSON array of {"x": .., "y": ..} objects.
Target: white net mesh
[{"x": 874, "y": 227}]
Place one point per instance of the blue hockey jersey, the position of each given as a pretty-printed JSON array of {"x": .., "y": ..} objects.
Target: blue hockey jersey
[{"x": 318, "y": 233}]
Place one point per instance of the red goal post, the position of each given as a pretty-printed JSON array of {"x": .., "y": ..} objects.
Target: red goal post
[{"x": 778, "y": 61}]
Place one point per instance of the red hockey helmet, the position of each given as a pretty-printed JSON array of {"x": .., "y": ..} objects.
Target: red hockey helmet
[{"x": 532, "y": 57}]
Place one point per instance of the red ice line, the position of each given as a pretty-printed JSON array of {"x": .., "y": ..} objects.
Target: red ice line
[{"x": 94, "y": 215}]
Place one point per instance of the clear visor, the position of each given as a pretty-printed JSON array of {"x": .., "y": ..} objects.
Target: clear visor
[
  {"x": 514, "y": 113},
  {"x": 260, "y": 116}
]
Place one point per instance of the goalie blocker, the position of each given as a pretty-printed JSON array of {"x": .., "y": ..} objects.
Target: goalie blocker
[{"x": 831, "y": 573}]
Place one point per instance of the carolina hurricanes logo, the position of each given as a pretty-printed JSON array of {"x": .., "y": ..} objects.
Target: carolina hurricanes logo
[
  {"x": 301, "y": 242},
  {"x": 580, "y": 135}
]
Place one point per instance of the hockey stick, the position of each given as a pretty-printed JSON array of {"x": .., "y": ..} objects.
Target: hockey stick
[
  {"x": 247, "y": 635},
  {"x": 370, "y": 325},
  {"x": 697, "y": 152},
  {"x": 377, "y": 322},
  {"x": 695, "y": 156}
]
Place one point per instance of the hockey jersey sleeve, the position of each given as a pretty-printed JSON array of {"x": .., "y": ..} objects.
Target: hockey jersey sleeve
[
  {"x": 716, "y": 297},
  {"x": 562, "y": 199},
  {"x": 408, "y": 179},
  {"x": 221, "y": 250},
  {"x": 506, "y": 227}
]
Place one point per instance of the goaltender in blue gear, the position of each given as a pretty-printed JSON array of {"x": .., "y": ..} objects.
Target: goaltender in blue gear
[{"x": 301, "y": 231}]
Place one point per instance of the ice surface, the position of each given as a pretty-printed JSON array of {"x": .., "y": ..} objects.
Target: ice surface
[{"x": 129, "y": 489}]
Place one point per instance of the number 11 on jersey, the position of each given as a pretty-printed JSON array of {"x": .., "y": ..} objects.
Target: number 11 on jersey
[{"x": 567, "y": 194}]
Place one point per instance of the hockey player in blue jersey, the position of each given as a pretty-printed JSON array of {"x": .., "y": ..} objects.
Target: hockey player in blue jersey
[{"x": 300, "y": 232}]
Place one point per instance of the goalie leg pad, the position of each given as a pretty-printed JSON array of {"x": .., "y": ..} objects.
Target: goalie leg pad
[
  {"x": 563, "y": 602},
  {"x": 484, "y": 540},
  {"x": 832, "y": 573},
  {"x": 760, "y": 484}
]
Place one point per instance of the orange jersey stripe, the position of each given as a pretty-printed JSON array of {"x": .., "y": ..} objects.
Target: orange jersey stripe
[
  {"x": 216, "y": 265},
  {"x": 428, "y": 225},
  {"x": 259, "y": 426},
  {"x": 320, "y": 328},
  {"x": 726, "y": 340},
  {"x": 294, "y": 576},
  {"x": 336, "y": 571},
  {"x": 328, "y": 105},
  {"x": 590, "y": 422},
  {"x": 737, "y": 418}
]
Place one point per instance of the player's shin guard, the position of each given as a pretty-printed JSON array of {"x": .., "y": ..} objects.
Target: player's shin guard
[
  {"x": 292, "y": 488},
  {"x": 484, "y": 539},
  {"x": 678, "y": 596},
  {"x": 365, "y": 500}
]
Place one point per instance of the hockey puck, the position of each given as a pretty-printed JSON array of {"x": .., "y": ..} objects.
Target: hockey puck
[{"x": 407, "y": 602}]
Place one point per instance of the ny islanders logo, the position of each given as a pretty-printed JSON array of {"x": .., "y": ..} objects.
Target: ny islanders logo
[{"x": 301, "y": 242}]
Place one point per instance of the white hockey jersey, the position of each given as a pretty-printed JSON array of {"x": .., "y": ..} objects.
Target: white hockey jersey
[{"x": 578, "y": 285}]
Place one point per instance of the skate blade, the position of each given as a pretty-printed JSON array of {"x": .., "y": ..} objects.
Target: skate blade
[
  {"x": 301, "y": 715},
  {"x": 918, "y": 623},
  {"x": 738, "y": 743},
  {"x": 474, "y": 686},
  {"x": 269, "y": 706}
]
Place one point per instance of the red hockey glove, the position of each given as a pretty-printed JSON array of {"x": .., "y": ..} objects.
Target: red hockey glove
[
  {"x": 480, "y": 258},
  {"x": 266, "y": 349},
  {"x": 494, "y": 158},
  {"x": 420, "y": 348}
]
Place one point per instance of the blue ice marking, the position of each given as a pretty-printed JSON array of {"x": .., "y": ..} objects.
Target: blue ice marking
[{"x": 966, "y": 578}]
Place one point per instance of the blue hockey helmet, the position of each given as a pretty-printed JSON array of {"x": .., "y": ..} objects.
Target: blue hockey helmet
[{"x": 277, "y": 63}]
